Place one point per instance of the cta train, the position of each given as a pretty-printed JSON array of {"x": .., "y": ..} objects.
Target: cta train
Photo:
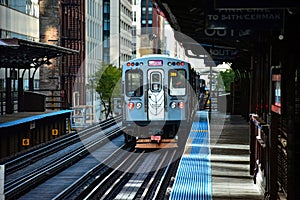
[{"x": 159, "y": 96}]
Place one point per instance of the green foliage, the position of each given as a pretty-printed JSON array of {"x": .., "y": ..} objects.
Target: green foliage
[
  {"x": 228, "y": 78},
  {"x": 108, "y": 85}
]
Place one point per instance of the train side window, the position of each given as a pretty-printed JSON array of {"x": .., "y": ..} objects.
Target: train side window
[
  {"x": 134, "y": 83},
  {"x": 177, "y": 82}
]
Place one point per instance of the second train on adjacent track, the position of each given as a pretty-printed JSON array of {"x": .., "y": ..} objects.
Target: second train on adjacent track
[{"x": 159, "y": 96}]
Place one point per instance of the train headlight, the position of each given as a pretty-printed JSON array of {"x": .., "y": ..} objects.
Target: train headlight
[
  {"x": 130, "y": 105},
  {"x": 138, "y": 105},
  {"x": 181, "y": 104},
  {"x": 173, "y": 105}
]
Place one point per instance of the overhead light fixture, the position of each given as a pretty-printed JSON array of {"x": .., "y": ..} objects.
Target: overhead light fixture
[
  {"x": 280, "y": 37},
  {"x": 48, "y": 62}
]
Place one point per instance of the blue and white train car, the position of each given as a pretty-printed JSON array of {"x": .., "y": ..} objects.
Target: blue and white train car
[{"x": 159, "y": 95}]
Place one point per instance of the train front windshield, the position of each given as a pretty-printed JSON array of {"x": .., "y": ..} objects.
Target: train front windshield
[
  {"x": 177, "y": 82},
  {"x": 134, "y": 83}
]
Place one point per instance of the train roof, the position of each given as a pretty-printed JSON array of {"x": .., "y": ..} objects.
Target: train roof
[
  {"x": 157, "y": 55},
  {"x": 153, "y": 57}
]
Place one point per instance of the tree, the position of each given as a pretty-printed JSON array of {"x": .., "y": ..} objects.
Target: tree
[
  {"x": 228, "y": 78},
  {"x": 108, "y": 85}
]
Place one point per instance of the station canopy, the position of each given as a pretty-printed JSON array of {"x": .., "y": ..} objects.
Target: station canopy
[
  {"x": 24, "y": 54},
  {"x": 229, "y": 29}
]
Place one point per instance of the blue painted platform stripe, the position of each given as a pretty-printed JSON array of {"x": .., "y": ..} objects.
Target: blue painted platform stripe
[
  {"x": 193, "y": 178},
  {"x": 32, "y": 118}
]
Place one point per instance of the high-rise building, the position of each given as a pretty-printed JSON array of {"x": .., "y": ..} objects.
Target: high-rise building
[
  {"x": 136, "y": 25},
  {"x": 94, "y": 32},
  {"x": 14, "y": 14},
  {"x": 106, "y": 31},
  {"x": 20, "y": 19},
  {"x": 149, "y": 28},
  {"x": 63, "y": 23},
  {"x": 73, "y": 37},
  {"x": 120, "y": 33}
]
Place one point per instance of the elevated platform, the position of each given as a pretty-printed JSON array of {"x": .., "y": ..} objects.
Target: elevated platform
[
  {"x": 23, "y": 130},
  {"x": 25, "y": 117},
  {"x": 215, "y": 164},
  {"x": 193, "y": 178}
]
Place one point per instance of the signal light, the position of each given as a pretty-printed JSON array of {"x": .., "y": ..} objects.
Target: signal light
[
  {"x": 181, "y": 104},
  {"x": 134, "y": 64},
  {"x": 182, "y": 63},
  {"x": 130, "y": 105}
]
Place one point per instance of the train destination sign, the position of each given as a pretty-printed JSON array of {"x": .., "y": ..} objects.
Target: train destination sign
[
  {"x": 155, "y": 62},
  {"x": 257, "y": 19},
  {"x": 233, "y": 4}
]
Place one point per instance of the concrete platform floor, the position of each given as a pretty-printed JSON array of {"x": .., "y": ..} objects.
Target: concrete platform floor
[{"x": 230, "y": 159}]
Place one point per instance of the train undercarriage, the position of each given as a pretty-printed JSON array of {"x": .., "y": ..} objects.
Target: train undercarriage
[{"x": 155, "y": 135}]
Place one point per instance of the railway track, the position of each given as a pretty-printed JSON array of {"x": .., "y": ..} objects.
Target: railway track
[
  {"x": 95, "y": 165},
  {"x": 140, "y": 175},
  {"x": 28, "y": 171},
  {"x": 35, "y": 155}
]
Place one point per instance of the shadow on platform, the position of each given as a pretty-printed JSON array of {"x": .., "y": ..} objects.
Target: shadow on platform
[{"x": 230, "y": 161}]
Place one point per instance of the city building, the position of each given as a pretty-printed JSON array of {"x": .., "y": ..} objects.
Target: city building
[
  {"x": 14, "y": 14},
  {"x": 94, "y": 31},
  {"x": 120, "y": 33}
]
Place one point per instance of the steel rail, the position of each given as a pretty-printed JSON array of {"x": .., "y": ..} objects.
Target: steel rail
[
  {"x": 150, "y": 187},
  {"x": 115, "y": 171},
  {"x": 163, "y": 178},
  {"x": 37, "y": 154},
  {"x": 80, "y": 183},
  {"x": 24, "y": 183}
]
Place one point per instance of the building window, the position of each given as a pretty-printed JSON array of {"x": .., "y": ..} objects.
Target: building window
[
  {"x": 134, "y": 16},
  {"x": 106, "y": 8}
]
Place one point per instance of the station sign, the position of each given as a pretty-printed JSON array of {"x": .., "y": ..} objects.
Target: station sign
[
  {"x": 233, "y": 4},
  {"x": 212, "y": 53},
  {"x": 221, "y": 53},
  {"x": 225, "y": 33},
  {"x": 55, "y": 132},
  {"x": 25, "y": 142},
  {"x": 239, "y": 19}
]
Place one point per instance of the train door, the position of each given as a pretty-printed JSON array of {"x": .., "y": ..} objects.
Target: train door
[{"x": 156, "y": 96}]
